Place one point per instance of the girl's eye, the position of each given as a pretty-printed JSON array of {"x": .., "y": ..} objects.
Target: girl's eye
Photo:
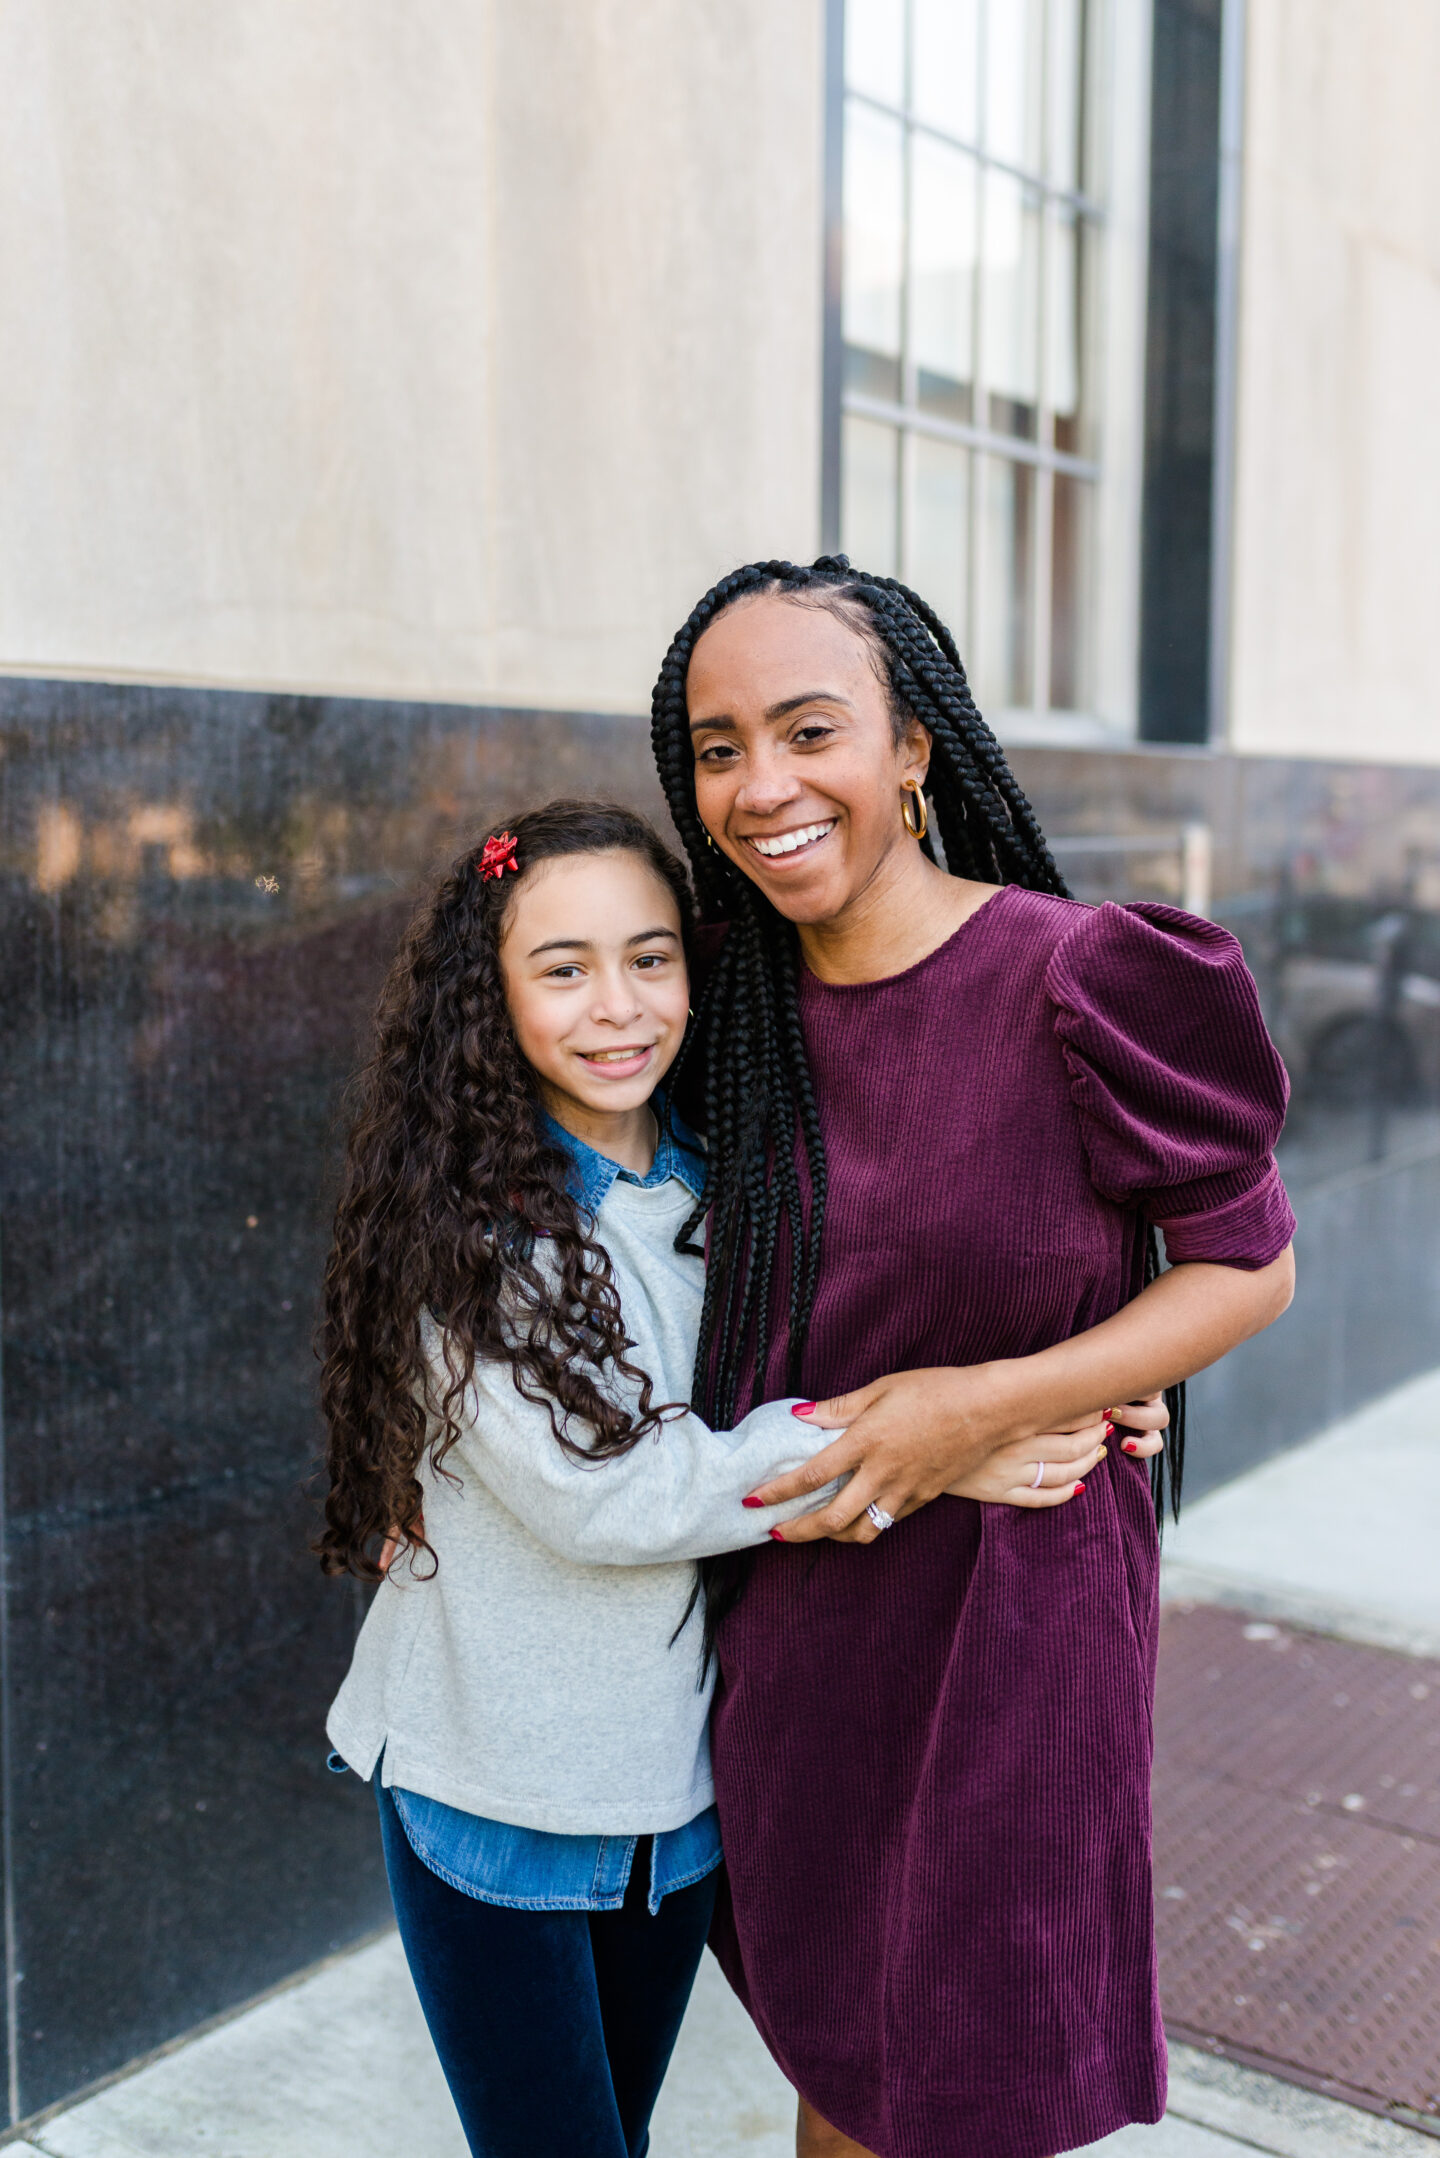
[
  {"x": 813, "y": 731},
  {"x": 651, "y": 960},
  {"x": 563, "y": 974},
  {"x": 718, "y": 753}
]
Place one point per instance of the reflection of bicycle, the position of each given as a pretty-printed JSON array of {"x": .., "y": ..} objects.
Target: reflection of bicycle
[{"x": 1362, "y": 1057}]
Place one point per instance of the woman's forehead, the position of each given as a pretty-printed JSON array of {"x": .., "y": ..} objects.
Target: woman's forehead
[{"x": 763, "y": 646}]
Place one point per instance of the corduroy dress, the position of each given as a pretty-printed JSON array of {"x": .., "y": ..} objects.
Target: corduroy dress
[{"x": 932, "y": 1754}]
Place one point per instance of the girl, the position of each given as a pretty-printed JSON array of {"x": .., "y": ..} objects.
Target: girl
[
  {"x": 509, "y": 1336},
  {"x": 946, "y": 1109}
]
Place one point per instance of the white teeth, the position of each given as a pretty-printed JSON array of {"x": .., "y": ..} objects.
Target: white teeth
[
  {"x": 787, "y": 842},
  {"x": 612, "y": 1056}
]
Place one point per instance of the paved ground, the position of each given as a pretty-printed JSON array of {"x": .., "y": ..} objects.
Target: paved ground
[{"x": 1339, "y": 1534}]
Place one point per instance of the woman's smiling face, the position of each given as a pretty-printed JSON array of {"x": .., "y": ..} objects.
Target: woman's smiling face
[{"x": 799, "y": 779}]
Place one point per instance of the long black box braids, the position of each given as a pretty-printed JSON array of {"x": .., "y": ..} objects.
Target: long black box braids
[{"x": 756, "y": 1086}]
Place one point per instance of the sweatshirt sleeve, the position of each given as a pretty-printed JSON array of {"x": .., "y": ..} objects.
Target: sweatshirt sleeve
[{"x": 675, "y": 1495}]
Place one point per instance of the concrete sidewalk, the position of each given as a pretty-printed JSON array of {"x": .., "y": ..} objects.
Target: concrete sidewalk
[{"x": 1340, "y": 1534}]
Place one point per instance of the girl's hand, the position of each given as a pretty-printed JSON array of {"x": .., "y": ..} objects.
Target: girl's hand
[
  {"x": 393, "y": 1542},
  {"x": 1028, "y": 1474}
]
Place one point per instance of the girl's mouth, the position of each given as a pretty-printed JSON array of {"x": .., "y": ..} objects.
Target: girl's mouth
[
  {"x": 784, "y": 846},
  {"x": 618, "y": 1063}
]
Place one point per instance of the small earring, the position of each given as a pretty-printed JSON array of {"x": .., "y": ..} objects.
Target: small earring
[{"x": 914, "y": 796}]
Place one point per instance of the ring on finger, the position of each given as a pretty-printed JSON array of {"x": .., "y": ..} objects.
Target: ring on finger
[
  {"x": 1039, "y": 1476},
  {"x": 881, "y": 1519}
]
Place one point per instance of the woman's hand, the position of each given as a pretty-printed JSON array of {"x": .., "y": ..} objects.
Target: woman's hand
[{"x": 915, "y": 1434}]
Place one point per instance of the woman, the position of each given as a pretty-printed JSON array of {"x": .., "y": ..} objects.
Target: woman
[{"x": 945, "y": 1110}]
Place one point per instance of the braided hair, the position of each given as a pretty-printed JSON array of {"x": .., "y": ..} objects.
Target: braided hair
[{"x": 757, "y": 1089}]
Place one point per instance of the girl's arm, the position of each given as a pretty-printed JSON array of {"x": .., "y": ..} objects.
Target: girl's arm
[
  {"x": 917, "y": 1433},
  {"x": 676, "y": 1495}
]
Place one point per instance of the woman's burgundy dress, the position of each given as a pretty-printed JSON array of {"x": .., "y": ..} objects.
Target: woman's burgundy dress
[{"x": 932, "y": 1754}]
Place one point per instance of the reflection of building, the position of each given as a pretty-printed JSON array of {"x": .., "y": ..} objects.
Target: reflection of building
[{"x": 370, "y": 413}]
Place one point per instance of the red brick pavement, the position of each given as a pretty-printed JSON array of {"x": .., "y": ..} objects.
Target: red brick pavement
[{"x": 1297, "y": 1848}]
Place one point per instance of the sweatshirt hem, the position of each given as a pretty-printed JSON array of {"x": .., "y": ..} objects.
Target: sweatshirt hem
[{"x": 637, "y": 1816}]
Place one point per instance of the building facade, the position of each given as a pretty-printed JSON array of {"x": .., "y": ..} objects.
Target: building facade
[{"x": 378, "y": 389}]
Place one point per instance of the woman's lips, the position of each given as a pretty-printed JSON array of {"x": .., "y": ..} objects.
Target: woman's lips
[{"x": 789, "y": 846}]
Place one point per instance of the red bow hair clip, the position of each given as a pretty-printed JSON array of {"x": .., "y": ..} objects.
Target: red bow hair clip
[{"x": 498, "y": 855}]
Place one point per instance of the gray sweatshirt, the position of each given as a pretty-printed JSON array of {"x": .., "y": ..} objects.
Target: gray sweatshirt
[{"x": 533, "y": 1678}]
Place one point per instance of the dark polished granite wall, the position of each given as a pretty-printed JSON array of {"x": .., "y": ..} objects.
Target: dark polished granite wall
[{"x": 200, "y": 893}]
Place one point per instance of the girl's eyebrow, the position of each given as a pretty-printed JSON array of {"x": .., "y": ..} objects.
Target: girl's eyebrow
[{"x": 584, "y": 944}]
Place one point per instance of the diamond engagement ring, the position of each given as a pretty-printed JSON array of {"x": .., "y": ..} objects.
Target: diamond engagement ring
[{"x": 878, "y": 1515}]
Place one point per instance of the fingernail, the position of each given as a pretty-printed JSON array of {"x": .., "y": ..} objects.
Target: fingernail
[
  {"x": 1074, "y": 1495},
  {"x": 752, "y": 1501},
  {"x": 775, "y": 1536},
  {"x": 1109, "y": 1430},
  {"x": 1128, "y": 1446},
  {"x": 802, "y": 1408}
]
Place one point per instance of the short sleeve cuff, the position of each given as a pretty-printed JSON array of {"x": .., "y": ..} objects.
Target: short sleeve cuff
[{"x": 1249, "y": 1231}]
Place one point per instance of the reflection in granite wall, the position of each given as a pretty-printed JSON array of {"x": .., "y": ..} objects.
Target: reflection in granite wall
[{"x": 200, "y": 891}]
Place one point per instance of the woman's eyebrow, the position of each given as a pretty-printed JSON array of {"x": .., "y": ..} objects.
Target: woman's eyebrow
[
  {"x": 723, "y": 723},
  {"x": 787, "y": 705}
]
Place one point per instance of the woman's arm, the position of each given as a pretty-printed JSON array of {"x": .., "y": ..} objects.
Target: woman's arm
[{"x": 915, "y": 1434}]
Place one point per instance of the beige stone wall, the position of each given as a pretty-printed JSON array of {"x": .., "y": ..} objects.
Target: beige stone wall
[
  {"x": 1337, "y": 535},
  {"x": 444, "y": 349}
]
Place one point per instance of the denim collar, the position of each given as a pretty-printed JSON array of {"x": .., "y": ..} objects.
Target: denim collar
[{"x": 678, "y": 1153}]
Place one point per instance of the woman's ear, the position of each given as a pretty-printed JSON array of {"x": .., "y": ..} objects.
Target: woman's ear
[{"x": 915, "y": 749}]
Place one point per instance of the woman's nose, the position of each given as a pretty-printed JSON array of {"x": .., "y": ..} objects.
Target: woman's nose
[{"x": 767, "y": 788}]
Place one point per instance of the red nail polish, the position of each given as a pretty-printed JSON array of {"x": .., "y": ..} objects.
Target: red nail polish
[
  {"x": 775, "y": 1536},
  {"x": 752, "y": 1501},
  {"x": 802, "y": 1408},
  {"x": 1074, "y": 1495},
  {"x": 1128, "y": 1446},
  {"x": 1109, "y": 1431}
]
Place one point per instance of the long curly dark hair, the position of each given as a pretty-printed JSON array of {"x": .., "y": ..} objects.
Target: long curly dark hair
[
  {"x": 750, "y": 1043},
  {"x": 449, "y": 1181}
]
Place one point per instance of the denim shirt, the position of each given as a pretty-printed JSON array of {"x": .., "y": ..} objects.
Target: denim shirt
[{"x": 528, "y": 1869}]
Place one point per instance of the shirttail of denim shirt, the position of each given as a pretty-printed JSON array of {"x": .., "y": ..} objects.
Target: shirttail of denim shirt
[{"x": 531, "y": 1869}]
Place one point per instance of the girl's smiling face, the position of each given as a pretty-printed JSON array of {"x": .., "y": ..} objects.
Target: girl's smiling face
[{"x": 596, "y": 985}]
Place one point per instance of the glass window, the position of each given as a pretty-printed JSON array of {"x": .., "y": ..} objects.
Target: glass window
[
  {"x": 938, "y": 557},
  {"x": 946, "y": 66},
  {"x": 968, "y": 462},
  {"x": 874, "y": 251},
  {"x": 875, "y": 49},
  {"x": 870, "y": 495},
  {"x": 943, "y": 210}
]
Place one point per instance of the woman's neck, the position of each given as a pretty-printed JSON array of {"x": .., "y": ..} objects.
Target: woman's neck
[
  {"x": 627, "y": 1136},
  {"x": 909, "y": 909}
]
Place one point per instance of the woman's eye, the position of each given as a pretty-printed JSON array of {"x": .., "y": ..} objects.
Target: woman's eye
[
  {"x": 718, "y": 753},
  {"x": 812, "y": 733},
  {"x": 651, "y": 960},
  {"x": 563, "y": 974}
]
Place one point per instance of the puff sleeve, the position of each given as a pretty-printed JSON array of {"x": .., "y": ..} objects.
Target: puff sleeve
[{"x": 1179, "y": 1090}]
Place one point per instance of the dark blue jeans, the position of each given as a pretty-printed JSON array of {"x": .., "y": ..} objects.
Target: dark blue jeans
[{"x": 554, "y": 2028}]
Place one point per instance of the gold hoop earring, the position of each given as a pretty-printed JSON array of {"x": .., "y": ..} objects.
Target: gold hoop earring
[{"x": 915, "y": 797}]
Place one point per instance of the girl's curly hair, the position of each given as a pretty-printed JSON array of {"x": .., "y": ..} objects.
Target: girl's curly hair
[{"x": 449, "y": 1181}]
